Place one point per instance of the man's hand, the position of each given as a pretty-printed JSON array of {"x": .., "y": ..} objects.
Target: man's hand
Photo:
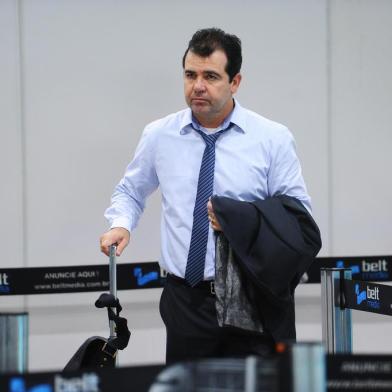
[
  {"x": 117, "y": 235},
  {"x": 212, "y": 218}
]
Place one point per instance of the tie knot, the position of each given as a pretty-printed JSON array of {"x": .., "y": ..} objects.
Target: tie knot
[{"x": 210, "y": 139}]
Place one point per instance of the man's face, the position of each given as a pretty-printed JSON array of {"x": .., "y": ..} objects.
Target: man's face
[{"x": 207, "y": 89}]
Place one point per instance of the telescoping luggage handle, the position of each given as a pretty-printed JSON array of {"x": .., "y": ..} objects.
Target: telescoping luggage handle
[
  {"x": 98, "y": 351},
  {"x": 119, "y": 332},
  {"x": 113, "y": 284}
]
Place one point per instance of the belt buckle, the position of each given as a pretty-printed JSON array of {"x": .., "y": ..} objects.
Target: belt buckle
[{"x": 212, "y": 287}]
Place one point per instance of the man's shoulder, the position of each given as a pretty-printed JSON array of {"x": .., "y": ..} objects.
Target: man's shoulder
[
  {"x": 263, "y": 126},
  {"x": 169, "y": 122}
]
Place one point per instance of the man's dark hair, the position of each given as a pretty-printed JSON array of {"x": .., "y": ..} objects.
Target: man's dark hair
[{"x": 204, "y": 42}]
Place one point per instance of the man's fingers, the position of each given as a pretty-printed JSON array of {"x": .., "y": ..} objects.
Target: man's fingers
[
  {"x": 121, "y": 245},
  {"x": 104, "y": 250},
  {"x": 212, "y": 218},
  {"x": 116, "y": 235},
  {"x": 210, "y": 211},
  {"x": 105, "y": 244},
  {"x": 216, "y": 226}
]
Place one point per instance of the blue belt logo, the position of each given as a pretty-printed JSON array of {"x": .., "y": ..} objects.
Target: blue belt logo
[
  {"x": 370, "y": 295},
  {"x": 355, "y": 269},
  {"x": 144, "y": 279},
  {"x": 18, "y": 385},
  {"x": 361, "y": 295},
  {"x": 369, "y": 270}
]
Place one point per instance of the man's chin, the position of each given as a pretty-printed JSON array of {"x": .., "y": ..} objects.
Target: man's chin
[{"x": 199, "y": 107}]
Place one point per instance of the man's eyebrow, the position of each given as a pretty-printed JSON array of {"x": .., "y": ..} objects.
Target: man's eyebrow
[
  {"x": 207, "y": 71},
  {"x": 211, "y": 72}
]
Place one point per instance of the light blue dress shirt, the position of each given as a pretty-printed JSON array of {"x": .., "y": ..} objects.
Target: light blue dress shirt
[{"x": 254, "y": 159}]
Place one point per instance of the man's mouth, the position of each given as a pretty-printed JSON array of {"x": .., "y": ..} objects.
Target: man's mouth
[{"x": 199, "y": 100}]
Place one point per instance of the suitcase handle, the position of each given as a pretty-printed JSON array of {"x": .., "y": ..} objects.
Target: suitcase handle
[{"x": 113, "y": 283}]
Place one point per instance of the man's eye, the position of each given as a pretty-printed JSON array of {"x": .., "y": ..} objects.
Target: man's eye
[
  {"x": 211, "y": 77},
  {"x": 189, "y": 75}
]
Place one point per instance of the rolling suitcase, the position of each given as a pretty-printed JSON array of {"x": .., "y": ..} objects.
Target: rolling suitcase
[{"x": 99, "y": 352}]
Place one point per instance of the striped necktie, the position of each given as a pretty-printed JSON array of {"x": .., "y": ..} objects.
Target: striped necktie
[{"x": 194, "y": 272}]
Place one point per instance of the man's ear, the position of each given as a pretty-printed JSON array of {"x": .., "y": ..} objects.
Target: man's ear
[{"x": 235, "y": 83}]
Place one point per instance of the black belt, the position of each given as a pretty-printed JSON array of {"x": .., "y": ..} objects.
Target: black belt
[{"x": 205, "y": 285}]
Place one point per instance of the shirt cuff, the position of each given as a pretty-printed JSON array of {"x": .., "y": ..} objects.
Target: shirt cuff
[{"x": 121, "y": 222}]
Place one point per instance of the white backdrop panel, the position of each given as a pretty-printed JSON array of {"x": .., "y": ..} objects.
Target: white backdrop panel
[
  {"x": 11, "y": 162},
  {"x": 11, "y": 148},
  {"x": 95, "y": 74},
  {"x": 361, "y": 60}
]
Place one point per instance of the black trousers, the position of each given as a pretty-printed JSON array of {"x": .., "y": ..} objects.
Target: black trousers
[{"x": 192, "y": 328}]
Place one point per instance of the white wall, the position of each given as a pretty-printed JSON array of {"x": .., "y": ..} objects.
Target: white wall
[
  {"x": 361, "y": 138},
  {"x": 80, "y": 79},
  {"x": 12, "y": 229}
]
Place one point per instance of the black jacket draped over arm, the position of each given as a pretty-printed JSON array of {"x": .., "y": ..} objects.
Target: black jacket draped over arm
[{"x": 274, "y": 241}]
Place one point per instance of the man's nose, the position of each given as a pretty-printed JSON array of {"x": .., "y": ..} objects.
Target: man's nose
[{"x": 199, "y": 84}]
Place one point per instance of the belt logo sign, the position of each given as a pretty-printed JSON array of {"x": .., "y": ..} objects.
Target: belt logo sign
[
  {"x": 88, "y": 382},
  {"x": 370, "y": 295},
  {"x": 144, "y": 279},
  {"x": 368, "y": 269},
  {"x": 375, "y": 270},
  {"x": 18, "y": 385},
  {"x": 361, "y": 295},
  {"x": 4, "y": 283},
  {"x": 355, "y": 269}
]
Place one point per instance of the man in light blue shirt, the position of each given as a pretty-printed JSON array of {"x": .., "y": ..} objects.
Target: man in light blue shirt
[{"x": 254, "y": 158}]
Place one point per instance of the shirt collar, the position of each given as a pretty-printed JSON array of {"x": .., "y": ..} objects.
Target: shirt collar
[{"x": 235, "y": 117}]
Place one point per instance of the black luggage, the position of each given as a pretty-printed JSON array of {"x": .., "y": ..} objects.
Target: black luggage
[{"x": 99, "y": 352}]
